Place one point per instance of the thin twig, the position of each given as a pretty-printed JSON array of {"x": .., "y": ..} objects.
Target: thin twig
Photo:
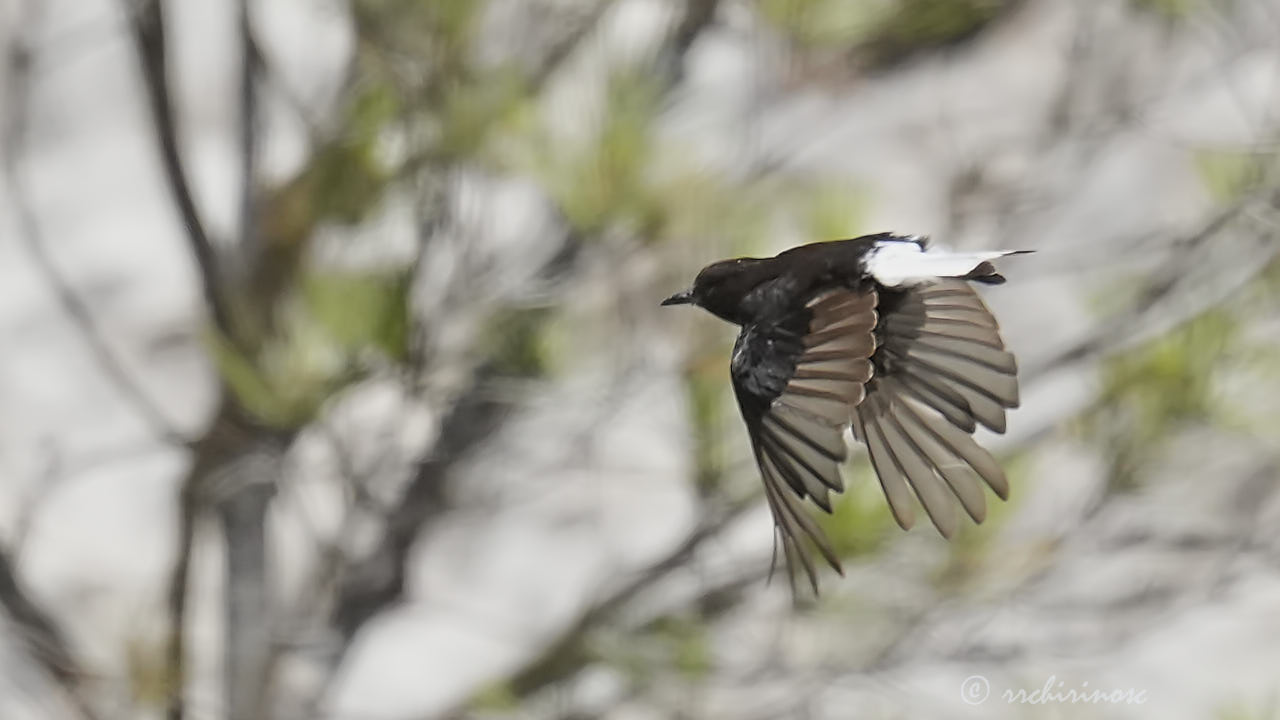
[
  {"x": 18, "y": 74},
  {"x": 1162, "y": 286},
  {"x": 254, "y": 468},
  {"x": 567, "y": 653},
  {"x": 243, "y": 513},
  {"x": 562, "y": 656},
  {"x": 147, "y": 25},
  {"x": 563, "y": 49},
  {"x": 250, "y": 69},
  {"x": 176, "y": 597},
  {"x": 45, "y": 640},
  {"x": 376, "y": 581}
]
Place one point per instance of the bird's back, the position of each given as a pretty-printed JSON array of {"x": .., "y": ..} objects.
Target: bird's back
[{"x": 771, "y": 289}]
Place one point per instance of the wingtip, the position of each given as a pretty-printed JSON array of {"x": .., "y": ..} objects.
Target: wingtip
[
  {"x": 905, "y": 519},
  {"x": 977, "y": 512},
  {"x": 823, "y": 501},
  {"x": 947, "y": 531},
  {"x": 942, "y": 517}
]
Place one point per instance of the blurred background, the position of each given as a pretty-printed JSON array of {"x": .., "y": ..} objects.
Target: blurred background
[{"x": 335, "y": 383}]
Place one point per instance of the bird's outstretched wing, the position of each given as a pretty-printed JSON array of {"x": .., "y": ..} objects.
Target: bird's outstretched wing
[
  {"x": 940, "y": 370},
  {"x": 797, "y": 381},
  {"x": 915, "y": 370}
]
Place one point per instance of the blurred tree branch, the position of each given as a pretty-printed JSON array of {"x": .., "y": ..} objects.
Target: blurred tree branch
[
  {"x": 147, "y": 25},
  {"x": 18, "y": 69},
  {"x": 43, "y": 638},
  {"x": 568, "y": 654},
  {"x": 1174, "y": 292},
  {"x": 251, "y": 68},
  {"x": 249, "y": 630},
  {"x": 697, "y": 17},
  {"x": 564, "y": 47},
  {"x": 49, "y": 647},
  {"x": 146, "y": 20},
  {"x": 372, "y": 583},
  {"x": 242, "y": 507},
  {"x": 237, "y": 461}
]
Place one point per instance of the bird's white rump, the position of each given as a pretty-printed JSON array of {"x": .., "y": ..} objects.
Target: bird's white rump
[{"x": 908, "y": 261}]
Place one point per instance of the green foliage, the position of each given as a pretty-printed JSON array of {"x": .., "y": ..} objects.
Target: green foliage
[
  {"x": 683, "y": 640},
  {"x": 1269, "y": 282},
  {"x": 620, "y": 177},
  {"x": 362, "y": 310},
  {"x": 881, "y": 31},
  {"x": 441, "y": 30},
  {"x": 418, "y": 66},
  {"x": 824, "y": 23},
  {"x": 707, "y": 392},
  {"x": 495, "y": 697},
  {"x": 290, "y": 377},
  {"x": 375, "y": 107},
  {"x": 604, "y": 181},
  {"x": 1163, "y": 385},
  {"x": 451, "y": 21},
  {"x": 834, "y": 211},
  {"x": 1168, "y": 10},
  {"x": 1230, "y": 175},
  {"x": 471, "y": 111},
  {"x": 1113, "y": 296},
  {"x": 515, "y": 341},
  {"x": 1268, "y": 709},
  {"x": 342, "y": 183},
  {"x": 1169, "y": 383},
  {"x": 917, "y": 25},
  {"x": 969, "y": 549},
  {"x": 1257, "y": 356},
  {"x": 625, "y": 140},
  {"x": 346, "y": 182},
  {"x": 686, "y": 205},
  {"x": 676, "y": 643},
  {"x": 150, "y": 677},
  {"x": 860, "y": 521},
  {"x": 316, "y": 344}
]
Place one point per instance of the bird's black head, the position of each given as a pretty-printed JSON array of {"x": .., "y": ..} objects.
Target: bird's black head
[{"x": 720, "y": 287}]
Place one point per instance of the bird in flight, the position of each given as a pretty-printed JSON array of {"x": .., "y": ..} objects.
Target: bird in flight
[{"x": 882, "y": 333}]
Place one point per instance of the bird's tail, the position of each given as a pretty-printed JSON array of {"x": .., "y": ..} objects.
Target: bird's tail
[
  {"x": 906, "y": 263},
  {"x": 984, "y": 272}
]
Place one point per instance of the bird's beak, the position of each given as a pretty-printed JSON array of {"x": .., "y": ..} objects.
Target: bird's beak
[{"x": 681, "y": 298}]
